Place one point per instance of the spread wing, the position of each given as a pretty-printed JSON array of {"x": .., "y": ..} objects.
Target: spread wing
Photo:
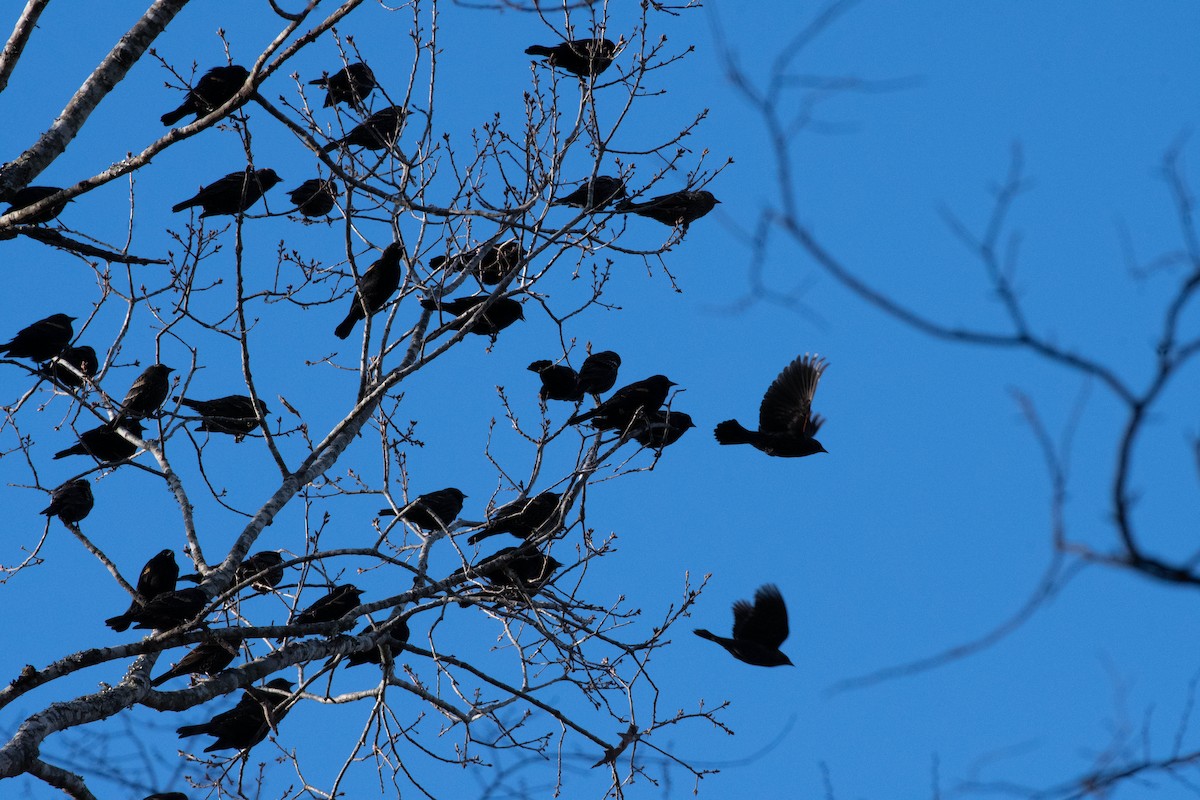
[
  {"x": 766, "y": 622},
  {"x": 787, "y": 405}
]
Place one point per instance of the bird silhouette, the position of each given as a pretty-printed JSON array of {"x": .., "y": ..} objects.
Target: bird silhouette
[
  {"x": 758, "y": 630},
  {"x": 786, "y": 424}
]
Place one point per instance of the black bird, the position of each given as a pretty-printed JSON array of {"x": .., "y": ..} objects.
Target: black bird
[
  {"x": 233, "y": 194},
  {"x": 580, "y": 57},
  {"x": 315, "y": 197},
  {"x": 599, "y": 372},
  {"x": 104, "y": 443},
  {"x": 522, "y": 518},
  {"x": 627, "y": 404},
  {"x": 663, "y": 428},
  {"x": 207, "y": 658},
  {"x": 268, "y": 560},
  {"x": 499, "y": 315},
  {"x": 168, "y": 610},
  {"x": 559, "y": 381},
  {"x": 42, "y": 340},
  {"x": 594, "y": 195},
  {"x": 758, "y": 630},
  {"x": 391, "y": 640},
  {"x": 147, "y": 393},
  {"x": 158, "y": 577},
  {"x": 247, "y": 723},
  {"x": 526, "y": 572},
  {"x": 678, "y": 209},
  {"x": 351, "y": 84},
  {"x": 82, "y": 358},
  {"x": 431, "y": 511},
  {"x": 33, "y": 194},
  {"x": 492, "y": 261},
  {"x": 377, "y": 132},
  {"x": 375, "y": 287},
  {"x": 233, "y": 414},
  {"x": 71, "y": 502},
  {"x": 786, "y": 424},
  {"x": 213, "y": 90},
  {"x": 335, "y": 605}
]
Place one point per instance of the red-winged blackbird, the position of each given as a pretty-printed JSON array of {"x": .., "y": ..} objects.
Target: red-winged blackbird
[
  {"x": 599, "y": 372},
  {"x": 315, "y": 197},
  {"x": 492, "y": 262},
  {"x": 158, "y": 577},
  {"x": 247, "y": 723},
  {"x": 377, "y": 132},
  {"x": 147, "y": 393},
  {"x": 594, "y": 195},
  {"x": 559, "y": 382},
  {"x": 527, "y": 572},
  {"x": 396, "y": 635},
  {"x": 71, "y": 502},
  {"x": 233, "y": 414},
  {"x": 213, "y": 90},
  {"x": 522, "y": 518},
  {"x": 580, "y": 57},
  {"x": 758, "y": 630},
  {"x": 350, "y": 84},
  {"x": 335, "y": 605},
  {"x": 105, "y": 444},
  {"x": 33, "y": 194},
  {"x": 786, "y": 424},
  {"x": 627, "y": 404},
  {"x": 662, "y": 428},
  {"x": 82, "y": 358},
  {"x": 432, "y": 511},
  {"x": 233, "y": 194},
  {"x": 42, "y": 340},
  {"x": 207, "y": 658},
  {"x": 375, "y": 287},
  {"x": 499, "y": 315},
  {"x": 678, "y": 209}
]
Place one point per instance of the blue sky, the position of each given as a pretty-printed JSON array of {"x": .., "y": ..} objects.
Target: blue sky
[{"x": 925, "y": 526}]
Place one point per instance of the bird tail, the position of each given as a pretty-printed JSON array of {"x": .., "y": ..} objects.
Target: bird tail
[
  {"x": 171, "y": 117},
  {"x": 703, "y": 634},
  {"x": 161, "y": 679},
  {"x": 732, "y": 432},
  {"x": 319, "y": 82},
  {"x": 626, "y": 205},
  {"x": 429, "y": 304},
  {"x": 183, "y": 401},
  {"x": 118, "y": 623},
  {"x": 475, "y": 538},
  {"x": 582, "y": 417},
  {"x": 48, "y": 511},
  {"x": 539, "y": 50},
  {"x": 345, "y": 327},
  {"x": 334, "y": 145},
  {"x": 191, "y": 730},
  {"x": 181, "y": 206}
]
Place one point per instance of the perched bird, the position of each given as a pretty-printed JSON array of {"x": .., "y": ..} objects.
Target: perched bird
[
  {"x": 82, "y": 358},
  {"x": 375, "y": 287},
  {"x": 492, "y": 261},
  {"x": 315, "y": 197},
  {"x": 627, "y": 404},
  {"x": 432, "y": 511},
  {"x": 527, "y": 571},
  {"x": 559, "y": 381},
  {"x": 392, "y": 639},
  {"x": 233, "y": 194},
  {"x": 786, "y": 424},
  {"x": 158, "y": 577},
  {"x": 233, "y": 414},
  {"x": 207, "y": 658},
  {"x": 71, "y": 502},
  {"x": 335, "y": 605},
  {"x": 598, "y": 373},
  {"x": 522, "y": 518},
  {"x": 582, "y": 57},
  {"x": 351, "y": 84},
  {"x": 34, "y": 194},
  {"x": 662, "y": 428},
  {"x": 267, "y": 562},
  {"x": 147, "y": 393},
  {"x": 678, "y": 209},
  {"x": 104, "y": 443},
  {"x": 247, "y": 723},
  {"x": 758, "y": 630},
  {"x": 498, "y": 316},
  {"x": 213, "y": 90},
  {"x": 168, "y": 610},
  {"x": 42, "y": 340},
  {"x": 377, "y": 132},
  {"x": 594, "y": 195}
]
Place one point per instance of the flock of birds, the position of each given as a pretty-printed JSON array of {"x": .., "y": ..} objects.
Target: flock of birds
[{"x": 640, "y": 411}]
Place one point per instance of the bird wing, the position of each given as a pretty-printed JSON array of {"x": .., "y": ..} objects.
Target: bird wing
[
  {"x": 787, "y": 405},
  {"x": 765, "y": 623}
]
